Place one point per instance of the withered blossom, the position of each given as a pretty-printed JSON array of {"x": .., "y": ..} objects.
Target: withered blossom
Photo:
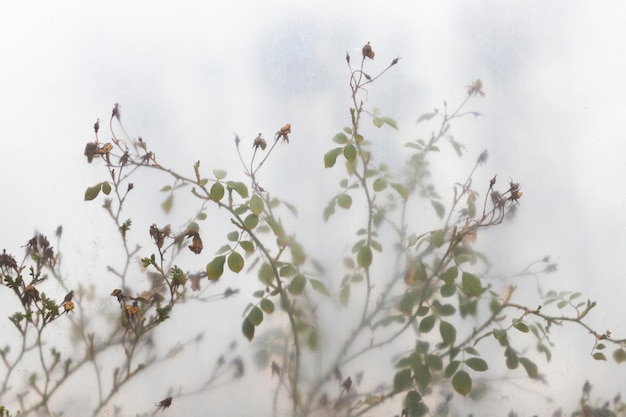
[
  {"x": 476, "y": 88},
  {"x": 163, "y": 404},
  {"x": 30, "y": 294},
  {"x": 283, "y": 133},
  {"x": 259, "y": 142},
  {"x": 368, "y": 52}
]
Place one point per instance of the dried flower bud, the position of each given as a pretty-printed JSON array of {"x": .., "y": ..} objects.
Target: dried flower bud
[
  {"x": 96, "y": 126},
  {"x": 348, "y": 58},
  {"x": 395, "y": 61},
  {"x": 116, "y": 111},
  {"x": 368, "y": 52},
  {"x": 30, "y": 294}
]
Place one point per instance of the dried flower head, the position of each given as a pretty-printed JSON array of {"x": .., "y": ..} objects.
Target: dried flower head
[
  {"x": 30, "y": 294},
  {"x": 163, "y": 404},
  {"x": 476, "y": 88},
  {"x": 196, "y": 242},
  {"x": 68, "y": 306},
  {"x": 259, "y": 142},
  {"x": 159, "y": 235},
  {"x": 90, "y": 150},
  {"x": 283, "y": 133},
  {"x": 105, "y": 149},
  {"x": 368, "y": 52}
]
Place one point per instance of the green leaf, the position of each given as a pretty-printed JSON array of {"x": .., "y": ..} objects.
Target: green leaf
[
  {"x": 92, "y": 192},
  {"x": 106, "y": 188},
  {"x": 448, "y": 332},
  {"x": 437, "y": 238},
  {"x": 340, "y": 138},
  {"x": 215, "y": 268},
  {"x": 267, "y": 306},
  {"x": 451, "y": 368},
  {"x": 389, "y": 122},
  {"x": 447, "y": 290},
  {"x": 319, "y": 286},
  {"x": 599, "y": 356},
  {"x": 427, "y": 324},
  {"x": 499, "y": 333},
  {"x": 286, "y": 271},
  {"x": 201, "y": 216},
  {"x": 422, "y": 375},
  {"x": 439, "y": 208},
  {"x": 297, "y": 284},
  {"x": 344, "y": 201},
  {"x": 512, "y": 360},
  {"x": 472, "y": 285},
  {"x": 471, "y": 205},
  {"x": 251, "y": 221},
  {"x": 297, "y": 253},
  {"x": 364, "y": 257},
  {"x": 402, "y": 380},
  {"x": 531, "y": 368},
  {"x": 413, "y": 404},
  {"x": 256, "y": 204},
  {"x": 378, "y": 122},
  {"x": 380, "y": 184},
  {"x": 450, "y": 275},
  {"x": 168, "y": 204},
  {"x": 401, "y": 189},
  {"x": 235, "y": 262},
  {"x": 344, "y": 295},
  {"x": 216, "y": 192},
  {"x": 247, "y": 245},
  {"x": 462, "y": 383},
  {"x": 233, "y": 236},
  {"x": 313, "y": 339},
  {"x": 425, "y": 117},
  {"x": 266, "y": 274},
  {"x": 219, "y": 174},
  {"x": 255, "y": 316},
  {"x": 477, "y": 364},
  {"x": 330, "y": 157},
  {"x": 619, "y": 355},
  {"x": 239, "y": 187},
  {"x": 434, "y": 362},
  {"x": 522, "y": 327},
  {"x": 247, "y": 329},
  {"x": 349, "y": 152},
  {"x": 329, "y": 210}
]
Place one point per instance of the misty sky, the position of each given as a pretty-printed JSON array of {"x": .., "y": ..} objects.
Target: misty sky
[{"x": 188, "y": 75}]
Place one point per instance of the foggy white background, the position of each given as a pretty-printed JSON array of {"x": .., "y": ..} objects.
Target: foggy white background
[{"x": 188, "y": 75}]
